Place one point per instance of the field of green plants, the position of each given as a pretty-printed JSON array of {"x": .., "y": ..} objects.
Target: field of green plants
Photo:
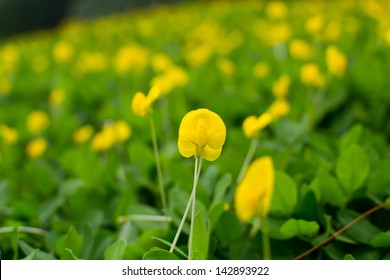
[{"x": 102, "y": 145}]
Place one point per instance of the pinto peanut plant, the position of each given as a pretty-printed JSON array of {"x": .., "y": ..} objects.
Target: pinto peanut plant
[{"x": 281, "y": 108}]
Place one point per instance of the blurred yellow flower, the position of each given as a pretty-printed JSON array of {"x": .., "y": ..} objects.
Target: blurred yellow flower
[
  {"x": 173, "y": 77},
  {"x": 281, "y": 86},
  {"x": 122, "y": 131},
  {"x": 57, "y": 96},
  {"x": 62, "y": 52},
  {"x": 160, "y": 62},
  {"x": 130, "y": 58},
  {"x": 202, "y": 134},
  {"x": 314, "y": 25},
  {"x": 336, "y": 61},
  {"x": 37, "y": 121},
  {"x": 300, "y": 50},
  {"x": 311, "y": 75},
  {"x": 35, "y": 148},
  {"x": 40, "y": 63},
  {"x": 9, "y": 134},
  {"x": 279, "y": 108},
  {"x": 90, "y": 62},
  {"x": 199, "y": 55},
  {"x": 276, "y": 10},
  {"x": 83, "y": 134},
  {"x": 226, "y": 66},
  {"x": 261, "y": 70},
  {"x": 104, "y": 139},
  {"x": 5, "y": 85},
  {"x": 141, "y": 105},
  {"x": 9, "y": 57},
  {"x": 254, "y": 193},
  {"x": 252, "y": 125},
  {"x": 332, "y": 31}
]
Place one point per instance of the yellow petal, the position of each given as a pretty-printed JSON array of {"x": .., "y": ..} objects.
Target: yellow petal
[
  {"x": 211, "y": 154},
  {"x": 139, "y": 105}
]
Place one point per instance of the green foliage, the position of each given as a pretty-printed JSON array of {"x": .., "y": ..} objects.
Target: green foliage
[{"x": 295, "y": 227}]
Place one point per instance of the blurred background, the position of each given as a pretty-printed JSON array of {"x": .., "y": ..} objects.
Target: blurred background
[{"x": 19, "y": 16}]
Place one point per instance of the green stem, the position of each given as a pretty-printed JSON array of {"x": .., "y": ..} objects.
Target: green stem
[
  {"x": 198, "y": 165},
  {"x": 248, "y": 158},
  {"x": 23, "y": 229},
  {"x": 266, "y": 241},
  {"x": 158, "y": 165}
]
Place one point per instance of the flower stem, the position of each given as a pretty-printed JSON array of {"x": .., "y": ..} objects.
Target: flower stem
[
  {"x": 23, "y": 229},
  {"x": 158, "y": 165},
  {"x": 266, "y": 241},
  {"x": 198, "y": 165},
  {"x": 248, "y": 158}
]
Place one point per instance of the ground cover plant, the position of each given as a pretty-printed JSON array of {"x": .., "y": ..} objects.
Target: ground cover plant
[{"x": 266, "y": 121}]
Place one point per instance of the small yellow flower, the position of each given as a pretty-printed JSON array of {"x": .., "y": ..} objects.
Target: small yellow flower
[
  {"x": 122, "y": 131},
  {"x": 83, "y": 134},
  {"x": 5, "y": 85},
  {"x": 37, "y": 121},
  {"x": 202, "y": 134},
  {"x": 103, "y": 140},
  {"x": 261, "y": 70},
  {"x": 56, "y": 97},
  {"x": 300, "y": 50},
  {"x": 311, "y": 75},
  {"x": 141, "y": 105},
  {"x": 10, "y": 135},
  {"x": 281, "y": 86},
  {"x": 62, "y": 52},
  {"x": 336, "y": 61},
  {"x": 226, "y": 66},
  {"x": 160, "y": 62},
  {"x": 254, "y": 193},
  {"x": 252, "y": 125},
  {"x": 279, "y": 108},
  {"x": 35, "y": 148},
  {"x": 130, "y": 58},
  {"x": 276, "y": 10},
  {"x": 173, "y": 77}
]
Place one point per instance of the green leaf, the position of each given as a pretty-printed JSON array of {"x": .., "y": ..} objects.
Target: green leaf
[
  {"x": 295, "y": 227},
  {"x": 285, "y": 194},
  {"x": 228, "y": 228},
  {"x": 379, "y": 179},
  {"x": 69, "y": 255},
  {"x": 31, "y": 256},
  {"x": 381, "y": 240},
  {"x": 116, "y": 250},
  {"x": 349, "y": 257},
  {"x": 159, "y": 254},
  {"x": 200, "y": 244},
  {"x": 4, "y": 194},
  {"x": 352, "y": 168},
  {"x": 147, "y": 241},
  {"x": 74, "y": 241},
  {"x": 215, "y": 213},
  {"x": 352, "y": 136},
  {"x": 169, "y": 244},
  {"x": 363, "y": 231},
  {"x": 133, "y": 252},
  {"x": 221, "y": 187},
  {"x": 39, "y": 255},
  {"x": 330, "y": 189}
]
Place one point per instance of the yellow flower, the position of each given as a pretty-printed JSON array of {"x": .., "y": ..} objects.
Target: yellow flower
[
  {"x": 300, "y": 50},
  {"x": 276, "y": 10},
  {"x": 37, "y": 121},
  {"x": 173, "y": 77},
  {"x": 254, "y": 193},
  {"x": 56, "y": 97},
  {"x": 10, "y": 135},
  {"x": 261, "y": 70},
  {"x": 35, "y": 148},
  {"x": 122, "y": 131},
  {"x": 253, "y": 124},
  {"x": 311, "y": 75},
  {"x": 130, "y": 58},
  {"x": 83, "y": 134},
  {"x": 141, "y": 105},
  {"x": 336, "y": 61},
  {"x": 103, "y": 140},
  {"x": 202, "y": 134},
  {"x": 281, "y": 86},
  {"x": 279, "y": 108},
  {"x": 160, "y": 62},
  {"x": 314, "y": 24},
  {"x": 62, "y": 52},
  {"x": 5, "y": 85},
  {"x": 226, "y": 66}
]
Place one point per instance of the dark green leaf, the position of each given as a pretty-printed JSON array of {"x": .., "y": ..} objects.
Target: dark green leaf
[
  {"x": 285, "y": 194},
  {"x": 116, "y": 250},
  {"x": 381, "y": 240},
  {"x": 200, "y": 244},
  {"x": 295, "y": 227},
  {"x": 159, "y": 254}
]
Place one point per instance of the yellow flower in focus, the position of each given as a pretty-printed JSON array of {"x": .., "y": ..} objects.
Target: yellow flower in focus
[
  {"x": 37, "y": 121},
  {"x": 254, "y": 194},
  {"x": 202, "y": 134},
  {"x": 279, "y": 108},
  {"x": 62, "y": 52},
  {"x": 226, "y": 66},
  {"x": 336, "y": 61},
  {"x": 56, "y": 97},
  {"x": 9, "y": 135},
  {"x": 35, "y": 148},
  {"x": 83, "y": 134},
  {"x": 122, "y": 131},
  {"x": 311, "y": 75},
  {"x": 261, "y": 70},
  {"x": 281, "y": 86},
  {"x": 300, "y": 50},
  {"x": 252, "y": 125},
  {"x": 141, "y": 105}
]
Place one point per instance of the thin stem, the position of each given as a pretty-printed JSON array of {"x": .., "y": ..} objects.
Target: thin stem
[
  {"x": 266, "y": 241},
  {"x": 23, "y": 229},
  {"x": 158, "y": 165},
  {"x": 198, "y": 165},
  {"x": 248, "y": 158},
  {"x": 137, "y": 217},
  {"x": 347, "y": 226}
]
